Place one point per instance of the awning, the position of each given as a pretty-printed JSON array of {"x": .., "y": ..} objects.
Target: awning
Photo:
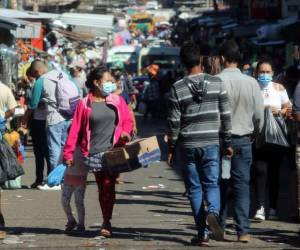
[
  {"x": 20, "y": 28},
  {"x": 88, "y": 20},
  {"x": 29, "y": 3},
  {"x": 26, "y": 14}
]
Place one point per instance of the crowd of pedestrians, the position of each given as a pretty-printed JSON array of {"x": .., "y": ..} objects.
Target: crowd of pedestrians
[{"x": 217, "y": 119}]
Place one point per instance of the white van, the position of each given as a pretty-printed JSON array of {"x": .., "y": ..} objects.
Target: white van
[
  {"x": 152, "y": 5},
  {"x": 166, "y": 57},
  {"x": 125, "y": 54}
]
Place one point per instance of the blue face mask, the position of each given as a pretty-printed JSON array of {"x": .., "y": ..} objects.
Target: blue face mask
[
  {"x": 248, "y": 72},
  {"x": 107, "y": 88},
  {"x": 264, "y": 79}
]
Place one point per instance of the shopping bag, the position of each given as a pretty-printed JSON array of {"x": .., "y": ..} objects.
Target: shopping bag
[
  {"x": 9, "y": 164},
  {"x": 14, "y": 184},
  {"x": 274, "y": 131},
  {"x": 56, "y": 176}
]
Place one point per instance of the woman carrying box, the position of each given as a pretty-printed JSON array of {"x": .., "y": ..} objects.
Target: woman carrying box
[{"x": 102, "y": 120}]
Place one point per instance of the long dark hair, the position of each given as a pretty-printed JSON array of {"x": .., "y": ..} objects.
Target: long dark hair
[{"x": 95, "y": 74}]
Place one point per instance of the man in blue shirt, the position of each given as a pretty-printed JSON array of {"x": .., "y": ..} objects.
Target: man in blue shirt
[{"x": 44, "y": 90}]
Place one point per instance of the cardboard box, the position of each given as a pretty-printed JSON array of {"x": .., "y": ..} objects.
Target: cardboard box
[{"x": 134, "y": 155}]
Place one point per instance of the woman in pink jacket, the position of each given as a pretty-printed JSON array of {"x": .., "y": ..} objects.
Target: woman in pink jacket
[{"x": 102, "y": 120}]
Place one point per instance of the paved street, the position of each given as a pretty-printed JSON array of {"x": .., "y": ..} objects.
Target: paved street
[{"x": 151, "y": 213}]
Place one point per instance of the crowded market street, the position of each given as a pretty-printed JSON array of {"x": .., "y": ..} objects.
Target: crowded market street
[{"x": 144, "y": 218}]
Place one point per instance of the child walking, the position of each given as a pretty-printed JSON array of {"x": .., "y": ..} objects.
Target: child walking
[{"x": 75, "y": 182}]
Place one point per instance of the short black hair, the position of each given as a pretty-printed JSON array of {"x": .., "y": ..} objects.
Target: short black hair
[
  {"x": 230, "y": 51},
  {"x": 190, "y": 55},
  {"x": 95, "y": 74}
]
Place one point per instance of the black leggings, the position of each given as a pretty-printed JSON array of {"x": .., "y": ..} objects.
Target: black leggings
[{"x": 266, "y": 170}]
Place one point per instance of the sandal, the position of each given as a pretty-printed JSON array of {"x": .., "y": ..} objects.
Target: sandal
[{"x": 106, "y": 230}]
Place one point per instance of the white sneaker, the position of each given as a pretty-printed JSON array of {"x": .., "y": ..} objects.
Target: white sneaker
[
  {"x": 260, "y": 214},
  {"x": 273, "y": 214},
  {"x": 47, "y": 188}
]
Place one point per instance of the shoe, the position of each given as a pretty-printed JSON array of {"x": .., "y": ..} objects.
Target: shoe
[
  {"x": 215, "y": 227},
  {"x": 2, "y": 235},
  {"x": 273, "y": 214},
  {"x": 70, "y": 226},
  {"x": 80, "y": 228},
  {"x": 47, "y": 188},
  {"x": 244, "y": 238},
  {"x": 200, "y": 241},
  {"x": 106, "y": 230},
  {"x": 260, "y": 214},
  {"x": 36, "y": 184}
]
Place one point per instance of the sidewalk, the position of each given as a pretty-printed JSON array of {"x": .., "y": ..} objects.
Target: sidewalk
[{"x": 150, "y": 213}]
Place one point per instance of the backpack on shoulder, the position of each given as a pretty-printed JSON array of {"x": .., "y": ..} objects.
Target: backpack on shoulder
[{"x": 67, "y": 93}]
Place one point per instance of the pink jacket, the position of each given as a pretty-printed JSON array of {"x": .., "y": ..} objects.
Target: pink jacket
[{"x": 80, "y": 132}]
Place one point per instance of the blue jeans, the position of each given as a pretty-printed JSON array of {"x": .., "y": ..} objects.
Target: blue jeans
[
  {"x": 240, "y": 184},
  {"x": 201, "y": 175},
  {"x": 56, "y": 135}
]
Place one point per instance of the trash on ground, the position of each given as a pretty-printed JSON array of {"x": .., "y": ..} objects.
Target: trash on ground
[
  {"x": 10, "y": 240},
  {"x": 19, "y": 196},
  {"x": 159, "y": 186},
  {"x": 156, "y": 177},
  {"x": 157, "y": 215},
  {"x": 136, "y": 197}
]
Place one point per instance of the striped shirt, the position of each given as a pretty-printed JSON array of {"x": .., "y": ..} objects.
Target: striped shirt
[{"x": 197, "y": 123}]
